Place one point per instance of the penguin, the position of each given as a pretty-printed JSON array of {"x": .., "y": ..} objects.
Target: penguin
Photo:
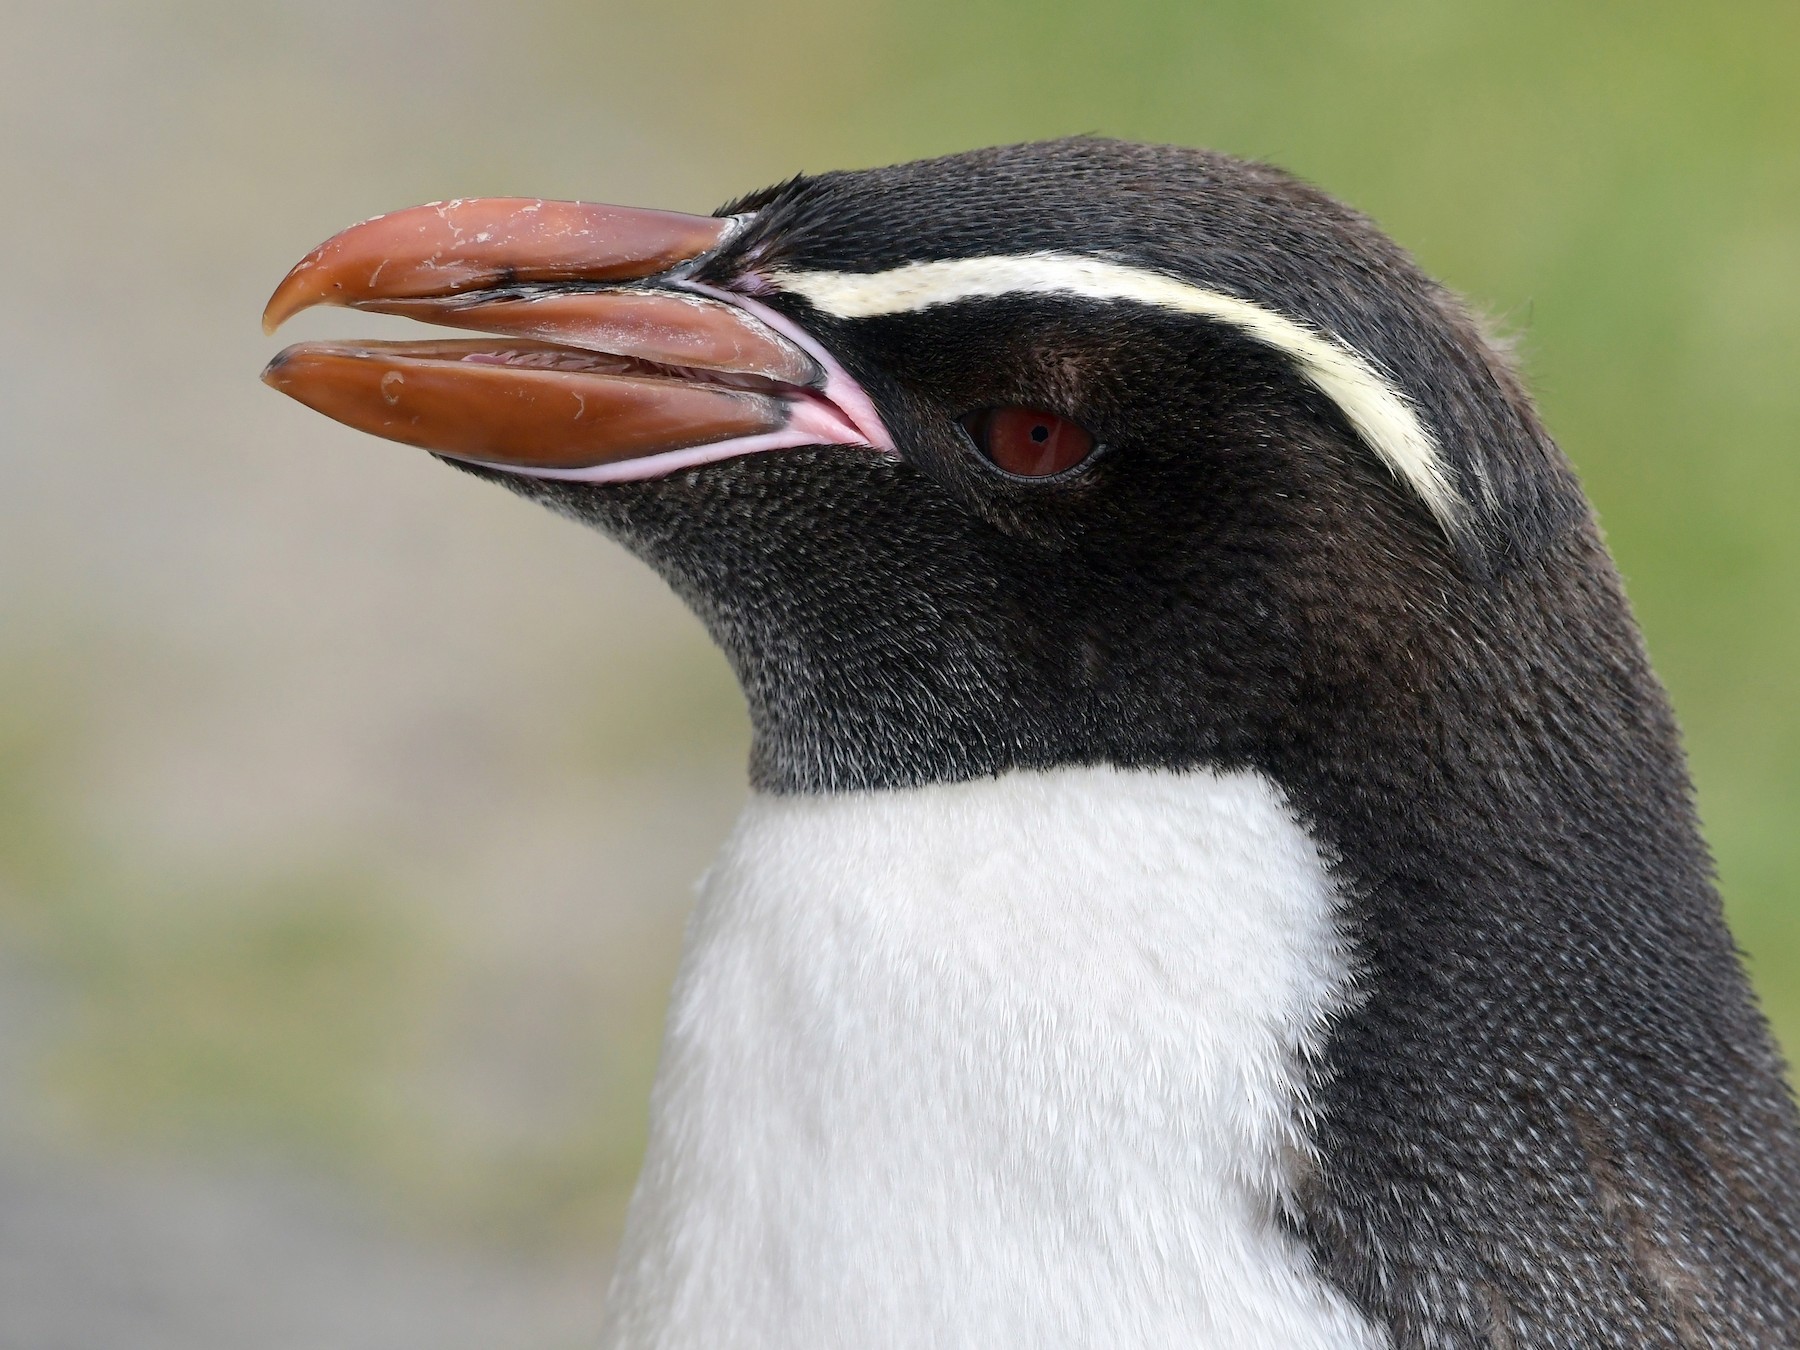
[{"x": 1220, "y": 869}]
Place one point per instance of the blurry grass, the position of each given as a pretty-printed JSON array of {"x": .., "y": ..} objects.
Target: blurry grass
[
  {"x": 294, "y": 1015},
  {"x": 275, "y": 1008}
]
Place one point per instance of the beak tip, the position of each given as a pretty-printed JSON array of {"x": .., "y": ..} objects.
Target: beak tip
[
  {"x": 289, "y": 299},
  {"x": 273, "y": 374}
]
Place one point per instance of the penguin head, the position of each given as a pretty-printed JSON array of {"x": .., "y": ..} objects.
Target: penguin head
[{"x": 1059, "y": 453}]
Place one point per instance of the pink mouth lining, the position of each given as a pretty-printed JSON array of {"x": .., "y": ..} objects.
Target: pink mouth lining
[{"x": 840, "y": 389}]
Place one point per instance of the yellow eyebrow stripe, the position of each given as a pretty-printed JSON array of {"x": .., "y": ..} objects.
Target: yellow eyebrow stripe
[{"x": 1378, "y": 411}]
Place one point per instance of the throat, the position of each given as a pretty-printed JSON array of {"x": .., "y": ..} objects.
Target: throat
[{"x": 1015, "y": 1061}]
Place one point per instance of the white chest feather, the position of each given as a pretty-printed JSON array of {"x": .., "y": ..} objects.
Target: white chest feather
[{"x": 1012, "y": 1063}]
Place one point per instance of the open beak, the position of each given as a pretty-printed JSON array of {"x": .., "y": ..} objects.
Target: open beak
[{"x": 606, "y": 361}]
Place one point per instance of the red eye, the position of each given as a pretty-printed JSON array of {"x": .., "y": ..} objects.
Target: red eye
[{"x": 1028, "y": 441}]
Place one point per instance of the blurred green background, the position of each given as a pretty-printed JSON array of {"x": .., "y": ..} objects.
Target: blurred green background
[{"x": 349, "y": 809}]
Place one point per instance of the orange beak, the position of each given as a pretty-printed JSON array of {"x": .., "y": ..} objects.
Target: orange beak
[{"x": 608, "y": 362}]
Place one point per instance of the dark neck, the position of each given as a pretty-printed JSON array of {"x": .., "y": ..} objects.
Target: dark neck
[{"x": 1556, "y": 1117}]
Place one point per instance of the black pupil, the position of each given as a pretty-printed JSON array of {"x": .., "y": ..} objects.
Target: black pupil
[{"x": 1040, "y": 433}]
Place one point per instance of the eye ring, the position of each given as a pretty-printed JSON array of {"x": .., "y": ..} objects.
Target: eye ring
[{"x": 1029, "y": 443}]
